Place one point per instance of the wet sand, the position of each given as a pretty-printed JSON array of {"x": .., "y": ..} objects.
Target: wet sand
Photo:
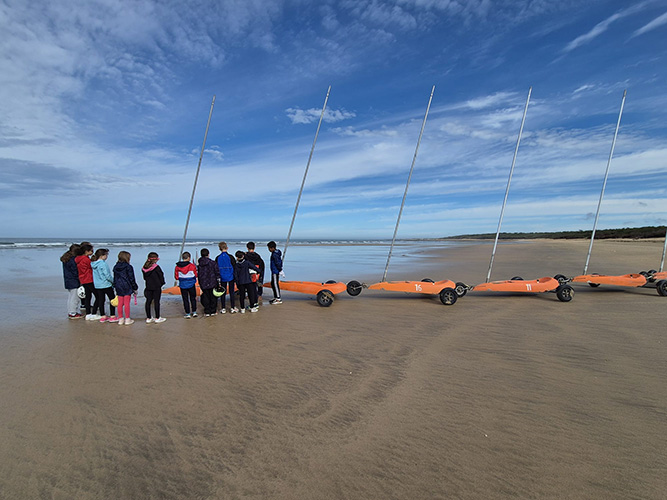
[{"x": 379, "y": 396}]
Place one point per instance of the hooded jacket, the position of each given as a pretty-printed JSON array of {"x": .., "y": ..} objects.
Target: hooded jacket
[
  {"x": 85, "y": 269},
  {"x": 186, "y": 274},
  {"x": 226, "y": 263},
  {"x": 71, "y": 274},
  {"x": 101, "y": 274},
  {"x": 209, "y": 273},
  {"x": 258, "y": 262},
  {"x": 242, "y": 271},
  {"x": 154, "y": 277},
  {"x": 123, "y": 279},
  {"x": 276, "y": 261}
]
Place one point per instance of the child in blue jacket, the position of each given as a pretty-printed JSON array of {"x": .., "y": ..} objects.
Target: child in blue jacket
[
  {"x": 226, "y": 265},
  {"x": 276, "y": 269},
  {"x": 103, "y": 281}
]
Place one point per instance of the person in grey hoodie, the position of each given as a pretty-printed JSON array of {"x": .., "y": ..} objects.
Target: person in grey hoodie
[{"x": 209, "y": 277}]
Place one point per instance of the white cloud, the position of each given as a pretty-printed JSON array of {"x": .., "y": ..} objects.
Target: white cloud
[
  {"x": 657, "y": 22},
  {"x": 312, "y": 115},
  {"x": 603, "y": 26}
]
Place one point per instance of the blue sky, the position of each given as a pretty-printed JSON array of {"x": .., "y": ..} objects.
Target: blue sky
[{"x": 103, "y": 106}]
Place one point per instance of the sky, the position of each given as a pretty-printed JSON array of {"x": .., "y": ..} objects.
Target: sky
[{"x": 104, "y": 106}]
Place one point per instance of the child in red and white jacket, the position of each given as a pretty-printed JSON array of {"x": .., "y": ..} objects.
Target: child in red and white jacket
[{"x": 186, "y": 274}]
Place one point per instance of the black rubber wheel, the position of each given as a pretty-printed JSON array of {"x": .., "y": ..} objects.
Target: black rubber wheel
[
  {"x": 461, "y": 288},
  {"x": 354, "y": 288},
  {"x": 562, "y": 279},
  {"x": 516, "y": 278},
  {"x": 652, "y": 271},
  {"x": 565, "y": 293},
  {"x": 330, "y": 282},
  {"x": 325, "y": 298},
  {"x": 661, "y": 287},
  {"x": 594, "y": 285},
  {"x": 644, "y": 274},
  {"x": 427, "y": 280},
  {"x": 448, "y": 296}
]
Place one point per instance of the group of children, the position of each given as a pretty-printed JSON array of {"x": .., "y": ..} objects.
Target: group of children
[
  {"x": 222, "y": 275},
  {"x": 87, "y": 275}
]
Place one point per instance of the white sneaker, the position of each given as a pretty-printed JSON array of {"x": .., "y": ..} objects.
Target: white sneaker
[
  {"x": 160, "y": 320},
  {"x": 150, "y": 320},
  {"x": 95, "y": 317},
  {"x": 194, "y": 314},
  {"x": 254, "y": 309},
  {"x": 89, "y": 317},
  {"x": 223, "y": 311},
  {"x": 121, "y": 321},
  {"x": 233, "y": 310},
  {"x": 129, "y": 321},
  {"x": 242, "y": 311}
]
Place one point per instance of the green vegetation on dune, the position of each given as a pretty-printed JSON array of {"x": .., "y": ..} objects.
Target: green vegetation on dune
[{"x": 600, "y": 234}]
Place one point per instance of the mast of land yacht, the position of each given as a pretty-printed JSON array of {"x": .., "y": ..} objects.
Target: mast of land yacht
[{"x": 407, "y": 184}]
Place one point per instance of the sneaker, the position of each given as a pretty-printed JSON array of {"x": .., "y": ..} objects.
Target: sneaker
[
  {"x": 223, "y": 311},
  {"x": 234, "y": 310},
  {"x": 74, "y": 316},
  {"x": 129, "y": 321},
  {"x": 89, "y": 317},
  {"x": 95, "y": 317},
  {"x": 160, "y": 320},
  {"x": 150, "y": 320},
  {"x": 194, "y": 314},
  {"x": 213, "y": 314},
  {"x": 121, "y": 321},
  {"x": 207, "y": 315},
  {"x": 254, "y": 309},
  {"x": 104, "y": 319},
  {"x": 242, "y": 311},
  {"x": 187, "y": 316},
  {"x": 113, "y": 319},
  {"x": 275, "y": 301}
]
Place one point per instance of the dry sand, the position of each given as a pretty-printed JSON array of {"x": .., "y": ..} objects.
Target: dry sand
[{"x": 380, "y": 396}]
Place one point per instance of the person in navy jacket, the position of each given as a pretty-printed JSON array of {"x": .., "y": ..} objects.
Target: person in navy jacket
[
  {"x": 209, "y": 277},
  {"x": 125, "y": 285},
  {"x": 71, "y": 276},
  {"x": 244, "y": 282}
]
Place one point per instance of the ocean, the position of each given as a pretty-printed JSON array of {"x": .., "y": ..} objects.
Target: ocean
[{"x": 31, "y": 284}]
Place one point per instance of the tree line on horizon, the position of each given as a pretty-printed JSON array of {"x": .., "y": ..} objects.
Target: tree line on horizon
[{"x": 636, "y": 233}]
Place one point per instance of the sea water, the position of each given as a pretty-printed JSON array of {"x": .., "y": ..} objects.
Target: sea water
[{"x": 31, "y": 281}]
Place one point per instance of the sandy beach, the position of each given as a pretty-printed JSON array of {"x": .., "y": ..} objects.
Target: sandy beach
[{"x": 381, "y": 396}]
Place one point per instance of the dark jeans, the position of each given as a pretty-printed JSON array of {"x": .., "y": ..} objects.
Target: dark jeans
[
  {"x": 208, "y": 300},
  {"x": 275, "y": 285},
  {"x": 189, "y": 296},
  {"x": 228, "y": 286},
  {"x": 90, "y": 291},
  {"x": 100, "y": 295},
  {"x": 153, "y": 297},
  {"x": 251, "y": 290}
]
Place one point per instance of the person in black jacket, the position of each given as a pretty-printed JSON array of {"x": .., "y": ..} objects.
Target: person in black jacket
[
  {"x": 154, "y": 278},
  {"x": 244, "y": 282},
  {"x": 71, "y": 276},
  {"x": 209, "y": 277},
  {"x": 257, "y": 260}
]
